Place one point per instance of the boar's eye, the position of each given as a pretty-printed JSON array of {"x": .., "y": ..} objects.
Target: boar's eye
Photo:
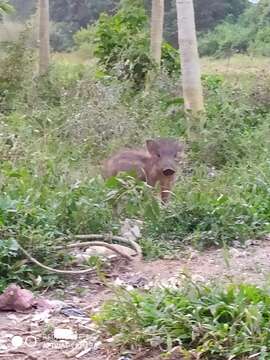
[{"x": 158, "y": 155}]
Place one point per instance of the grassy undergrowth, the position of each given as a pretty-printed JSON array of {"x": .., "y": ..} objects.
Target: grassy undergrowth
[
  {"x": 55, "y": 131},
  {"x": 206, "y": 322}
]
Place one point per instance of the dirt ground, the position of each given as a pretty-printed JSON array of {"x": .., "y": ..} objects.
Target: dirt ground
[{"x": 34, "y": 330}]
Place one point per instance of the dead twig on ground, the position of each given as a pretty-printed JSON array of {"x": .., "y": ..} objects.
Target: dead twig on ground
[{"x": 106, "y": 243}]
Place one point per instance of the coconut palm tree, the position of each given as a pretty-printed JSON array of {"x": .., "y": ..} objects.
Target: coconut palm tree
[
  {"x": 44, "y": 37},
  {"x": 190, "y": 64}
]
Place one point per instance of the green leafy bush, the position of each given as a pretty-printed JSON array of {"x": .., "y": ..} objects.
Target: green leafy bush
[
  {"x": 16, "y": 72},
  {"x": 261, "y": 43},
  {"x": 121, "y": 44},
  {"x": 232, "y": 205},
  {"x": 5, "y": 7},
  {"x": 225, "y": 40},
  {"x": 206, "y": 321},
  {"x": 36, "y": 209},
  {"x": 12, "y": 269},
  {"x": 132, "y": 197},
  {"x": 250, "y": 34}
]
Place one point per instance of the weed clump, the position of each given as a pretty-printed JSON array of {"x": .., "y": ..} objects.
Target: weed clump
[{"x": 205, "y": 321}]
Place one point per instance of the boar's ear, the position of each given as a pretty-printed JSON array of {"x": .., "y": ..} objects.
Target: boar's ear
[{"x": 152, "y": 147}]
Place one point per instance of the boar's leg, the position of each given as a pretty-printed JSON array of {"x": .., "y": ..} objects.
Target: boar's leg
[{"x": 165, "y": 188}]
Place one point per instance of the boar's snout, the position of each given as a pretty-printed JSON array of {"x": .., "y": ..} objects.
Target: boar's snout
[
  {"x": 168, "y": 172},
  {"x": 167, "y": 166}
]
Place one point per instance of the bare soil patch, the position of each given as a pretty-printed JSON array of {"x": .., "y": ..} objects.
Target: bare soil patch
[{"x": 248, "y": 264}]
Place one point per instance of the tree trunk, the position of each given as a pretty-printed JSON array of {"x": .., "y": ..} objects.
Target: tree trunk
[
  {"x": 157, "y": 20},
  {"x": 44, "y": 37},
  {"x": 190, "y": 63}
]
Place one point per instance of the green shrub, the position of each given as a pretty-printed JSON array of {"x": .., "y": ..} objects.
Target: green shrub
[
  {"x": 12, "y": 268},
  {"x": 132, "y": 197},
  {"x": 16, "y": 72},
  {"x": 250, "y": 34},
  {"x": 206, "y": 321},
  {"x": 121, "y": 40},
  {"x": 5, "y": 7},
  {"x": 121, "y": 44},
  {"x": 71, "y": 136},
  {"x": 36, "y": 208},
  {"x": 206, "y": 210},
  {"x": 261, "y": 43},
  {"x": 225, "y": 40}
]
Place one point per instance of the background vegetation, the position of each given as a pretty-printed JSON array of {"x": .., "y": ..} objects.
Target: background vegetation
[
  {"x": 250, "y": 34},
  {"x": 208, "y": 322},
  {"x": 69, "y": 16},
  {"x": 55, "y": 130}
]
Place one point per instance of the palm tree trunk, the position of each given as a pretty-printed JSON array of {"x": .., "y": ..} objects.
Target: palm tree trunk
[
  {"x": 190, "y": 63},
  {"x": 157, "y": 21},
  {"x": 44, "y": 37}
]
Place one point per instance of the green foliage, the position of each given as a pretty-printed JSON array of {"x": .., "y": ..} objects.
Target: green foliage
[
  {"x": 70, "y": 17},
  {"x": 12, "y": 269},
  {"x": 56, "y": 130},
  {"x": 261, "y": 44},
  {"x": 226, "y": 39},
  {"x": 249, "y": 34},
  {"x": 206, "y": 321},
  {"x": 132, "y": 197},
  {"x": 16, "y": 71},
  {"x": 222, "y": 195},
  {"x": 5, "y": 7},
  {"x": 121, "y": 40},
  {"x": 36, "y": 209},
  {"x": 233, "y": 205},
  {"x": 37, "y": 201},
  {"x": 210, "y": 13},
  {"x": 121, "y": 44},
  {"x": 170, "y": 59}
]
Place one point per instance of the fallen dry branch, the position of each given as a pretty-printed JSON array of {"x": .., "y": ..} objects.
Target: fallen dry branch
[
  {"x": 106, "y": 239},
  {"x": 50, "y": 269},
  {"x": 92, "y": 237},
  {"x": 95, "y": 243}
]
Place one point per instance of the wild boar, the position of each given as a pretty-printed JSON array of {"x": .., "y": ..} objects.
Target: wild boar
[{"x": 155, "y": 164}]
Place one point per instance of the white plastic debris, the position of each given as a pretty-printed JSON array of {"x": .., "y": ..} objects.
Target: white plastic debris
[
  {"x": 131, "y": 229},
  {"x": 64, "y": 334}
]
